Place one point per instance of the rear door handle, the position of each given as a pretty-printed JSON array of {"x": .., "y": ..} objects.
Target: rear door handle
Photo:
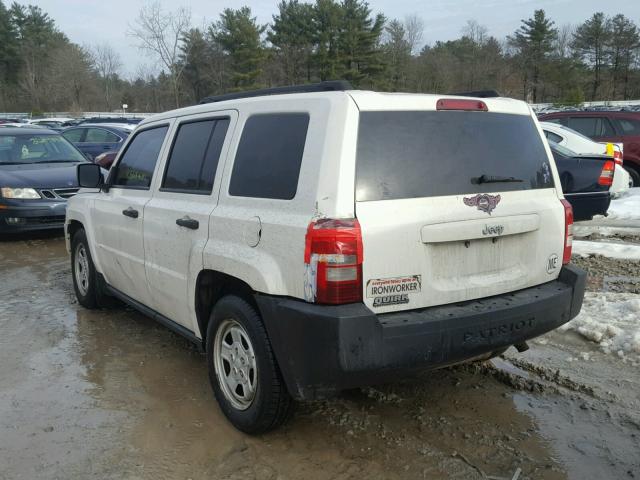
[
  {"x": 187, "y": 222},
  {"x": 130, "y": 212}
]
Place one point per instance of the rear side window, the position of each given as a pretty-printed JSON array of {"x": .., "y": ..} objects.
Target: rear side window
[
  {"x": 437, "y": 153},
  {"x": 194, "y": 156},
  {"x": 269, "y": 156},
  {"x": 136, "y": 166},
  {"x": 592, "y": 127},
  {"x": 552, "y": 137},
  {"x": 75, "y": 135},
  {"x": 100, "y": 135}
]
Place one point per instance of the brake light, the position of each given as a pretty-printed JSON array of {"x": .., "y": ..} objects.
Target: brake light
[
  {"x": 606, "y": 176},
  {"x": 568, "y": 231},
  {"x": 333, "y": 253},
  {"x": 459, "y": 104}
]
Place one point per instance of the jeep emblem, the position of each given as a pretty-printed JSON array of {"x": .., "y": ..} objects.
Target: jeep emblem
[{"x": 483, "y": 201}]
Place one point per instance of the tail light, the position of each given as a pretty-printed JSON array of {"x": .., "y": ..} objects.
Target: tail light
[
  {"x": 333, "y": 252},
  {"x": 606, "y": 176},
  {"x": 617, "y": 157},
  {"x": 568, "y": 231},
  {"x": 614, "y": 152}
]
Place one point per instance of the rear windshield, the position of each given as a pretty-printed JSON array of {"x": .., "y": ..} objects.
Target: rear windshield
[{"x": 437, "y": 153}]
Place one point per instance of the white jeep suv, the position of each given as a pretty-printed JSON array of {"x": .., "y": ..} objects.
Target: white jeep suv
[{"x": 316, "y": 238}]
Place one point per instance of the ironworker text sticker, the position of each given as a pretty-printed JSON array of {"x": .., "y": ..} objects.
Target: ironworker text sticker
[{"x": 391, "y": 286}]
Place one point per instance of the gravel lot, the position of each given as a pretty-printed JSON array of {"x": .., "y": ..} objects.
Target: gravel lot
[{"x": 111, "y": 394}]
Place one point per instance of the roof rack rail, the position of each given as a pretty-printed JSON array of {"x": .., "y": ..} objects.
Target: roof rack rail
[
  {"x": 478, "y": 94},
  {"x": 328, "y": 86}
]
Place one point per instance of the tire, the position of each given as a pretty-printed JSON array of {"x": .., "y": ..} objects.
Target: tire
[
  {"x": 634, "y": 175},
  {"x": 260, "y": 401},
  {"x": 83, "y": 271}
]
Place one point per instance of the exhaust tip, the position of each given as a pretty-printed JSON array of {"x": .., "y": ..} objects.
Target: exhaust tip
[{"x": 522, "y": 347}]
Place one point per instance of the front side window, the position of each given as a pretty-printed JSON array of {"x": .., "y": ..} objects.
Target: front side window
[
  {"x": 269, "y": 156},
  {"x": 135, "y": 169},
  {"x": 194, "y": 157},
  {"x": 629, "y": 127}
]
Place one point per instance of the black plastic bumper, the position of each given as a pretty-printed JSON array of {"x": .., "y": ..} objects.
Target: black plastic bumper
[{"x": 324, "y": 349}]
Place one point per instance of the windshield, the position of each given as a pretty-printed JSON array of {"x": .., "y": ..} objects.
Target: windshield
[
  {"x": 417, "y": 154},
  {"x": 18, "y": 149}
]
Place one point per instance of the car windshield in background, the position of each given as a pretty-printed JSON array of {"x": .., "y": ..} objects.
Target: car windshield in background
[
  {"x": 436, "y": 153},
  {"x": 35, "y": 148}
]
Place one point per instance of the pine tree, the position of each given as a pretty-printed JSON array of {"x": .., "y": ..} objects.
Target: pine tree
[
  {"x": 591, "y": 41},
  {"x": 624, "y": 44},
  {"x": 240, "y": 36},
  {"x": 534, "y": 43}
]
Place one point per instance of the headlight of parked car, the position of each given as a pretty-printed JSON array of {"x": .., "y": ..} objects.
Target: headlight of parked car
[{"x": 19, "y": 193}]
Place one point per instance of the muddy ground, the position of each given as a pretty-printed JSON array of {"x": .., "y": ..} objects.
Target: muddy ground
[{"x": 110, "y": 394}]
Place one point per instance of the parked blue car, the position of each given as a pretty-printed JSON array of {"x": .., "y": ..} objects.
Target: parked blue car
[
  {"x": 37, "y": 176},
  {"x": 94, "y": 139}
]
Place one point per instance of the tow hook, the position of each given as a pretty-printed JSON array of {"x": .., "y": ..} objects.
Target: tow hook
[{"x": 521, "y": 347}]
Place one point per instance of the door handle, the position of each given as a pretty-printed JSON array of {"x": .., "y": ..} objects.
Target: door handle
[
  {"x": 130, "y": 212},
  {"x": 187, "y": 222}
]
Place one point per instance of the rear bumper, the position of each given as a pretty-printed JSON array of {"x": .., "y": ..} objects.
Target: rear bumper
[
  {"x": 37, "y": 216},
  {"x": 586, "y": 205},
  {"x": 324, "y": 349}
]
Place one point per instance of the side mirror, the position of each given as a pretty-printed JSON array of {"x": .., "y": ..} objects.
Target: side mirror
[{"x": 89, "y": 175}]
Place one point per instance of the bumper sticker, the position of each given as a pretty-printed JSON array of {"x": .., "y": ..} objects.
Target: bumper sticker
[{"x": 393, "y": 291}]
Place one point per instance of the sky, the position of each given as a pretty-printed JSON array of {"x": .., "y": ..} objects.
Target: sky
[{"x": 91, "y": 22}]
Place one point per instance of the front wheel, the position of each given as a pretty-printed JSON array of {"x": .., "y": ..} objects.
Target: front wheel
[
  {"x": 243, "y": 371},
  {"x": 83, "y": 271}
]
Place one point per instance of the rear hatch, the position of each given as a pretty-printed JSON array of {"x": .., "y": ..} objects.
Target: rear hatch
[{"x": 454, "y": 204}]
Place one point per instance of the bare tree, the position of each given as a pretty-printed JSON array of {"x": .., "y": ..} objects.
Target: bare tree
[
  {"x": 477, "y": 33},
  {"x": 107, "y": 63},
  {"x": 414, "y": 31},
  {"x": 161, "y": 34},
  {"x": 562, "y": 44}
]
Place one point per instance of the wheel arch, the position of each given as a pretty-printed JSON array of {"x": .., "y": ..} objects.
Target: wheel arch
[{"x": 211, "y": 286}]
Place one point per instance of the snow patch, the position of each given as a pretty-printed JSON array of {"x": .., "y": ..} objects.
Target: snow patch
[
  {"x": 612, "y": 320},
  {"x": 584, "y": 248},
  {"x": 626, "y": 206}
]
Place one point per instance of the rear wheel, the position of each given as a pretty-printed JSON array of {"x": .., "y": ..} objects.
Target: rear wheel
[
  {"x": 634, "y": 176},
  {"x": 242, "y": 368}
]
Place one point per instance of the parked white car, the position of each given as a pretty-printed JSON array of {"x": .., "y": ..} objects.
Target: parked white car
[
  {"x": 581, "y": 144},
  {"x": 316, "y": 238}
]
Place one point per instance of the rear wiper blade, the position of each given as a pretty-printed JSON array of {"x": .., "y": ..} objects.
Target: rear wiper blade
[{"x": 495, "y": 179}]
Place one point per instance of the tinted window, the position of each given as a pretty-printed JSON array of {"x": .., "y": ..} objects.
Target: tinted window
[
  {"x": 194, "y": 156},
  {"x": 425, "y": 154},
  {"x": 629, "y": 127},
  {"x": 267, "y": 163},
  {"x": 99, "y": 135},
  {"x": 74, "y": 135},
  {"x": 552, "y": 137},
  {"x": 136, "y": 166},
  {"x": 592, "y": 126}
]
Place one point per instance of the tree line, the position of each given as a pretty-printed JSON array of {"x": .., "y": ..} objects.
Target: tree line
[{"x": 42, "y": 70}]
